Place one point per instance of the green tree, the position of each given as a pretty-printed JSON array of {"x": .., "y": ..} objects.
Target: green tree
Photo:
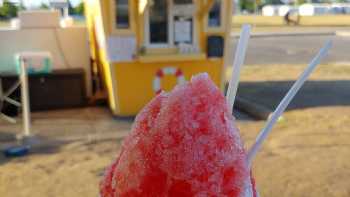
[
  {"x": 71, "y": 10},
  {"x": 273, "y": 2},
  {"x": 44, "y": 6},
  {"x": 8, "y": 10},
  {"x": 79, "y": 9},
  {"x": 299, "y": 2},
  {"x": 248, "y": 5}
]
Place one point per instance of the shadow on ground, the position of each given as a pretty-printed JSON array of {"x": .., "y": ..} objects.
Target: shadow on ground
[
  {"x": 41, "y": 146},
  {"x": 312, "y": 94}
]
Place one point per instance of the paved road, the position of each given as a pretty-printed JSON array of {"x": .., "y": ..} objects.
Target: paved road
[{"x": 295, "y": 49}]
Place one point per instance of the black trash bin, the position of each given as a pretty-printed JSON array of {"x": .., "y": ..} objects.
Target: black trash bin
[{"x": 215, "y": 46}]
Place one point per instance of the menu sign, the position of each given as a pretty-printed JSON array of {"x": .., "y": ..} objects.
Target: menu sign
[
  {"x": 121, "y": 48},
  {"x": 183, "y": 31}
]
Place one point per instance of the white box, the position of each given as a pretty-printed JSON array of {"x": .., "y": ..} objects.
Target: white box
[{"x": 39, "y": 19}]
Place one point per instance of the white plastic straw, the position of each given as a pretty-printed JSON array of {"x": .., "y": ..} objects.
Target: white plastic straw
[
  {"x": 286, "y": 100},
  {"x": 237, "y": 65}
]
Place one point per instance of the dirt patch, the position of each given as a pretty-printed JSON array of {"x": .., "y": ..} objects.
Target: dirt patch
[
  {"x": 75, "y": 170},
  {"x": 307, "y": 154}
]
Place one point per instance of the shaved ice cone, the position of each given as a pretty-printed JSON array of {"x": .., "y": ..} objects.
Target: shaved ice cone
[{"x": 184, "y": 143}]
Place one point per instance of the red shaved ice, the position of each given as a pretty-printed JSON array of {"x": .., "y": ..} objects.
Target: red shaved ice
[{"x": 182, "y": 144}]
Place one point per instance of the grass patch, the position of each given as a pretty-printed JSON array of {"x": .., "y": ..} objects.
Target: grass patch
[
  {"x": 326, "y": 20},
  {"x": 4, "y": 23}
]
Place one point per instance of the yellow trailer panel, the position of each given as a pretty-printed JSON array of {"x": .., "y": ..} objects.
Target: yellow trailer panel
[{"x": 145, "y": 46}]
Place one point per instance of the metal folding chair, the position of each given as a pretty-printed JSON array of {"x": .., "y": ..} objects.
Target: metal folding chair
[
  {"x": 24, "y": 65},
  {"x": 5, "y": 97}
]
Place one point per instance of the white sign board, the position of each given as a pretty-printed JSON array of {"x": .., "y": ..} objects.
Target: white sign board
[
  {"x": 183, "y": 31},
  {"x": 184, "y": 10},
  {"x": 121, "y": 48},
  {"x": 1, "y": 2}
]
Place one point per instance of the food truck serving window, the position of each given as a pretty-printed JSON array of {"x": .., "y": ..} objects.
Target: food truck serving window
[
  {"x": 170, "y": 23},
  {"x": 122, "y": 14}
]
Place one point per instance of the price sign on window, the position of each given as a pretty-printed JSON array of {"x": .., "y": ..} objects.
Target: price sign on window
[
  {"x": 121, "y": 48},
  {"x": 183, "y": 31}
]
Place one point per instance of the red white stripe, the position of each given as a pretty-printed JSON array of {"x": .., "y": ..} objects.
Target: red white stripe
[{"x": 167, "y": 71}]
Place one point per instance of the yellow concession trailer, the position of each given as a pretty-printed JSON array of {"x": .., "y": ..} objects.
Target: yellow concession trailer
[{"x": 145, "y": 46}]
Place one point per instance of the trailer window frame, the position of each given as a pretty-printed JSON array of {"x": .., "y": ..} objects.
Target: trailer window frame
[
  {"x": 171, "y": 45},
  {"x": 130, "y": 29},
  {"x": 221, "y": 27}
]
